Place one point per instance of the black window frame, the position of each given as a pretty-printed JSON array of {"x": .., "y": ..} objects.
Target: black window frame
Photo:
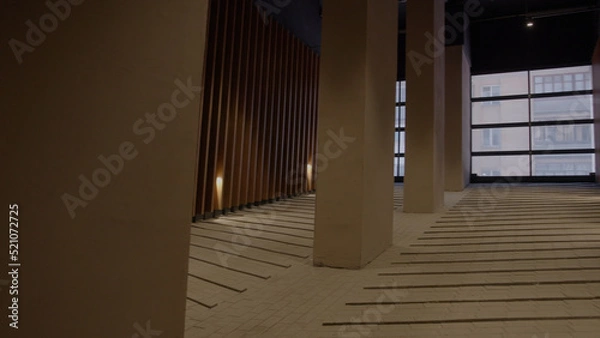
[{"x": 530, "y": 124}]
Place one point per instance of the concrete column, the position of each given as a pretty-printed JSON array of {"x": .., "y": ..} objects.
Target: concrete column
[
  {"x": 354, "y": 212},
  {"x": 100, "y": 104},
  {"x": 424, "y": 179},
  {"x": 458, "y": 123}
]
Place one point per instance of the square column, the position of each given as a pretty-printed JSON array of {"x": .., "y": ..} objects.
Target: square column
[
  {"x": 424, "y": 179},
  {"x": 354, "y": 211},
  {"x": 458, "y": 121},
  {"x": 103, "y": 130}
]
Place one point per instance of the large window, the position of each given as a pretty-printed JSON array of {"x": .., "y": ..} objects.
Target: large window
[
  {"x": 399, "y": 135},
  {"x": 534, "y": 123}
]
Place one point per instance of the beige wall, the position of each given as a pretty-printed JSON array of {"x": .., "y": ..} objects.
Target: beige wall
[
  {"x": 354, "y": 211},
  {"x": 458, "y": 127},
  {"x": 596, "y": 85},
  {"x": 122, "y": 259}
]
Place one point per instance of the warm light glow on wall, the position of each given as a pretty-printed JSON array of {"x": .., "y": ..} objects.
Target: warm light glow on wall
[
  {"x": 272, "y": 138},
  {"x": 219, "y": 192},
  {"x": 309, "y": 175}
]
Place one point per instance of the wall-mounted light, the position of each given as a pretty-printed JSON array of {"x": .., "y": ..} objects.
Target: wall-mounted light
[{"x": 219, "y": 186}]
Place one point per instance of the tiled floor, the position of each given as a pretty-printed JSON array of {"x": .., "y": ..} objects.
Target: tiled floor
[{"x": 501, "y": 261}]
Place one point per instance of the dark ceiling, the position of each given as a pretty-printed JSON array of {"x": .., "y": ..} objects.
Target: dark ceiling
[
  {"x": 565, "y": 31},
  {"x": 495, "y": 9}
]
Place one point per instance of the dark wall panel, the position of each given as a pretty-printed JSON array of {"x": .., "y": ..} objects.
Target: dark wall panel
[{"x": 259, "y": 111}]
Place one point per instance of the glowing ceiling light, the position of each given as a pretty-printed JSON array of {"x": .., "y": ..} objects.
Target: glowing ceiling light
[{"x": 529, "y": 22}]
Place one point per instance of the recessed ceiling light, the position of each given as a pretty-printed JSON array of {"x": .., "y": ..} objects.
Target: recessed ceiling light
[{"x": 529, "y": 22}]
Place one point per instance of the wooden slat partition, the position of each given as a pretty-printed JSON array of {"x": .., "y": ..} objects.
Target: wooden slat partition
[
  {"x": 259, "y": 112},
  {"x": 233, "y": 145},
  {"x": 293, "y": 116},
  {"x": 209, "y": 78}
]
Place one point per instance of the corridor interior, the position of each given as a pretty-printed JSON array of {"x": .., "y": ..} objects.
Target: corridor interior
[{"x": 500, "y": 261}]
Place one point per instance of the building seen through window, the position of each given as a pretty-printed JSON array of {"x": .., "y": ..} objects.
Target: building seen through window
[
  {"x": 399, "y": 135},
  {"x": 490, "y": 91},
  {"x": 524, "y": 130}
]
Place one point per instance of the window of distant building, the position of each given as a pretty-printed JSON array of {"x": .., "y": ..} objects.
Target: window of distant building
[
  {"x": 562, "y": 82},
  {"x": 565, "y": 165},
  {"x": 542, "y": 123},
  {"x": 489, "y": 172},
  {"x": 399, "y": 135},
  {"x": 490, "y": 91},
  {"x": 491, "y": 138},
  {"x": 573, "y": 135}
]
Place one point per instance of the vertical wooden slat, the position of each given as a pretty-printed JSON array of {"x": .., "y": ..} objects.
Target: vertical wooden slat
[
  {"x": 299, "y": 120},
  {"x": 233, "y": 160},
  {"x": 316, "y": 115},
  {"x": 230, "y": 161},
  {"x": 211, "y": 86},
  {"x": 313, "y": 109},
  {"x": 251, "y": 111},
  {"x": 256, "y": 106},
  {"x": 198, "y": 208},
  {"x": 248, "y": 111},
  {"x": 219, "y": 118},
  {"x": 297, "y": 98},
  {"x": 298, "y": 127},
  {"x": 269, "y": 111},
  {"x": 309, "y": 122},
  {"x": 304, "y": 125},
  {"x": 220, "y": 147},
  {"x": 287, "y": 140},
  {"x": 313, "y": 123},
  {"x": 243, "y": 125},
  {"x": 312, "y": 126},
  {"x": 306, "y": 117},
  {"x": 292, "y": 123},
  {"x": 263, "y": 108},
  {"x": 277, "y": 101},
  {"x": 305, "y": 108},
  {"x": 283, "y": 131}
]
